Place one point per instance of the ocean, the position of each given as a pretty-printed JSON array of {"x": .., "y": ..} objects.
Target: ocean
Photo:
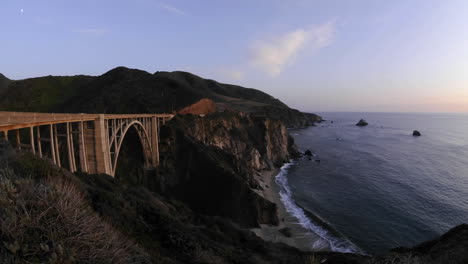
[{"x": 370, "y": 189}]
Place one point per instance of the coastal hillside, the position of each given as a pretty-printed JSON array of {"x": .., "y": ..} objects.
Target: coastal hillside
[
  {"x": 193, "y": 209},
  {"x": 48, "y": 215},
  {"x": 124, "y": 90}
]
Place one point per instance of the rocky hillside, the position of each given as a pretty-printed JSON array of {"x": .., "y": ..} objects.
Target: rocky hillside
[
  {"x": 124, "y": 90},
  {"x": 48, "y": 215},
  {"x": 210, "y": 163}
]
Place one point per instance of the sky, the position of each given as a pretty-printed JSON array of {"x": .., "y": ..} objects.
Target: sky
[{"x": 316, "y": 56}]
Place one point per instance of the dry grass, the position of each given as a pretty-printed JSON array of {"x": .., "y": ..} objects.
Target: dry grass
[
  {"x": 401, "y": 259},
  {"x": 312, "y": 259},
  {"x": 50, "y": 221}
]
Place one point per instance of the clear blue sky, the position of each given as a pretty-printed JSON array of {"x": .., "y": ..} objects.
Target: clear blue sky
[{"x": 330, "y": 55}]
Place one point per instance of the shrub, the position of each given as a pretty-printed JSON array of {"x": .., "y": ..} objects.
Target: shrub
[{"x": 49, "y": 221}]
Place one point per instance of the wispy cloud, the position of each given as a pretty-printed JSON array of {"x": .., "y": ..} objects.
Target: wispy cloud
[
  {"x": 274, "y": 54},
  {"x": 91, "y": 31},
  {"x": 171, "y": 9}
]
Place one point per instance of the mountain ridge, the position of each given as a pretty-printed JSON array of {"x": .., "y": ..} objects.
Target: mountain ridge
[{"x": 125, "y": 90}]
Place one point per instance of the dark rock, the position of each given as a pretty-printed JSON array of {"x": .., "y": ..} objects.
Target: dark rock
[
  {"x": 286, "y": 231},
  {"x": 416, "y": 133},
  {"x": 362, "y": 123},
  {"x": 451, "y": 247},
  {"x": 308, "y": 153}
]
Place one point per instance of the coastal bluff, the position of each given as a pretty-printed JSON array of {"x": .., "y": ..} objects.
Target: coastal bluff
[{"x": 216, "y": 158}]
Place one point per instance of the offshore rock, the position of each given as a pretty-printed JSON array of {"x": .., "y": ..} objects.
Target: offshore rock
[
  {"x": 362, "y": 123},
  {"x": 416, "y": 133}
]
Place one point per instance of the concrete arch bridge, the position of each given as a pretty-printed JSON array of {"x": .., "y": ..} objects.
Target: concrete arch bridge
[{"x": 92, "y": 142}]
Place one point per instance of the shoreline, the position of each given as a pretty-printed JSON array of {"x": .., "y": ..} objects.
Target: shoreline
[{"x": 289, "y": 231}]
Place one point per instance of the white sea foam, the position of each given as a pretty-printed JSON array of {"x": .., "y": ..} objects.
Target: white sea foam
[{"x": 327, "y": 239}]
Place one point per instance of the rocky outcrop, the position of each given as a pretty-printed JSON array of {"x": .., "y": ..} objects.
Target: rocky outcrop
[
  {"x": 416, "y": 133},
  {"x": 202, "y": 107},
  {"x": 261, "y": 142},
  {"x": 362, "y": 123},
  {"x": 210, "y": 163}
]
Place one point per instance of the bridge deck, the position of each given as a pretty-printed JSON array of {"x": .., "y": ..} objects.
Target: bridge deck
[{"x": 17, "y": 120}]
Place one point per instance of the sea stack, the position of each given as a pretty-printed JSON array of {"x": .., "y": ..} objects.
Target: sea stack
[
  {"x": 362, "y": 123},
  {"x": 416, "y": 133}
]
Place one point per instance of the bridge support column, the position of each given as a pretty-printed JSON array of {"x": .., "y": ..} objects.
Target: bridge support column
[
  {"x": 103, "y": 164},
  {"x": 155, "y": 141},
  {"x": 52, "y": 145},
  {"x": 31, "y": 140},
  {"x": 82, "y": 147},
  {"x": 39, "y": 143}
]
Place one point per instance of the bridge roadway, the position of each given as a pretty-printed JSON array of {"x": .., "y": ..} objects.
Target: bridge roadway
[{"x": 96, "y": 139}]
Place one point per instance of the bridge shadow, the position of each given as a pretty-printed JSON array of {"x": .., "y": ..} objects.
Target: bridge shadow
[{"x": 131, "y": 161}]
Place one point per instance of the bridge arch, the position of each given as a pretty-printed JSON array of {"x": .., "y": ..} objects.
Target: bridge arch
[
  {"x": 90, "y": 143},
  {"x": 118, "y": 138}
]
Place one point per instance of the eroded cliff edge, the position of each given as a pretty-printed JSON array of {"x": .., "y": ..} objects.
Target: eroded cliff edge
[{"x": 211, "y": 162}]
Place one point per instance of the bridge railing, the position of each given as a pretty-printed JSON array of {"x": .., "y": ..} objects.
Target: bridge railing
[{"x": 17, "y": 120}]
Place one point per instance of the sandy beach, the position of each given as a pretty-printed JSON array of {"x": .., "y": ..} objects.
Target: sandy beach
[{"x": 289, "y": 231}]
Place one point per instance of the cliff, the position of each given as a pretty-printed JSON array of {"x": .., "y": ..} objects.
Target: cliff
[
  {"x": 210, "y": 163},
  {"x": 123, "y": 90}
]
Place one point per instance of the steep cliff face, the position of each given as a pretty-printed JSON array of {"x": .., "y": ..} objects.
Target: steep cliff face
[
  {"x": 210, "y": 163},
  {"x": 261, "y": 142}
]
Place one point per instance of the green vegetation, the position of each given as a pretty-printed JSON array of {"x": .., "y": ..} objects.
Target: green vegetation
[{"x": 40, "y": 94}]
